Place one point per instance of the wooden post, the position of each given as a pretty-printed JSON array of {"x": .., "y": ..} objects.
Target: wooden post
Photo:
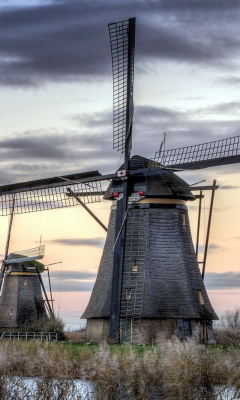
[
  {"x": 208, "y": 229},
  {"x": 199, "y": 220}
]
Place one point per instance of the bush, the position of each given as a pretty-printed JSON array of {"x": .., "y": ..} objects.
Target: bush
[
  {"x": 227, "y": 331},
  {"x": 76, "y": 336},
  {"x": 46, "y": 324}
]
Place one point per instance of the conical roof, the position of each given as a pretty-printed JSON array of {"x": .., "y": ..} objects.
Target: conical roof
[{"x": 165, "y": 184}]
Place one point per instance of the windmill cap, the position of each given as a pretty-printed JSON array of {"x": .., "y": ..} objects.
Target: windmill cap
[{"x": 166, "y": 184}]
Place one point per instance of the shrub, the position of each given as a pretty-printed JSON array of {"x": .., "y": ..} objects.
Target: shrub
[{"x": 227, "y": 331}]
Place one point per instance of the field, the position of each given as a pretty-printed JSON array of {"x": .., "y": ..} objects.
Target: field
[{"x": 74, "y": 370}]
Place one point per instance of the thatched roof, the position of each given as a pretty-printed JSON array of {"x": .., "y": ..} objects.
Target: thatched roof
[{"x": 166, "y": 184}]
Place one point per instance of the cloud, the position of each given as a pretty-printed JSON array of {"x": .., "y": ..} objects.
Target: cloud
[
  {"x": 232, "y": 107},
  {"x": 73, "y": 275},
  {"x": 184, "y": 128},
  {"x": 213, "y": 248},
  {"x": 229, "y": 80},
  {"x": 88, "y": 146},
  {"x": 91, "y": 242},
  {"x": 71, "y": 281},
  {"x": 57, "y": 154},
  {"x": 83, "y": 281},
  {"x": 229, "y": 187},
  {"x": 72, "y": 286},
  {"x": 225, "y": 280},
  {"x": 67, "y": 40}
]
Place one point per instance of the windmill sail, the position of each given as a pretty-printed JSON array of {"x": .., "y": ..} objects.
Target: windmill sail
[
  {"x": 122, "y": 39},
  {"x": 218, "y": 152},
  {"x": 28, "y": 255},
  {"x": 50, "y": 193}
]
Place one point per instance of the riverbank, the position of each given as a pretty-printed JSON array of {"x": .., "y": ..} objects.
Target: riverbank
[{"x": 175, "y": 370}]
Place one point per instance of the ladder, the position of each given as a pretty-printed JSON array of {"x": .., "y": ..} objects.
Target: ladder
[{"x": 133, "y": 271}]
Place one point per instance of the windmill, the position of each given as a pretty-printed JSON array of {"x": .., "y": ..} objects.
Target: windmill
[
  {"x": 149, "y": 285},
  {"x": 21, "y": 299}
]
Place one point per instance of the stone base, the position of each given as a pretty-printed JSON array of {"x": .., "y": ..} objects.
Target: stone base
[{"x": 147, "y": 331}]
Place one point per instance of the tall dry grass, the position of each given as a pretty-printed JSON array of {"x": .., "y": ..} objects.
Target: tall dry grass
[
  {"x": 76, "y": 336},
  {"x": 227, "y": 330},
  {"x": 175, "y": 370}
]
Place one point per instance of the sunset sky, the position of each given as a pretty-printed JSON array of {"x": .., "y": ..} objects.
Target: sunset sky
[{"x": 56, "y": 119}]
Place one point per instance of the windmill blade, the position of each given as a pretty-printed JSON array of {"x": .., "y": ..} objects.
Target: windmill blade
[
  {"x": 50, "y": 193},
  {"x": 210, "y": 154},
  {"x": 122, "y": 40},
  {"x": 32, "y": 254}
]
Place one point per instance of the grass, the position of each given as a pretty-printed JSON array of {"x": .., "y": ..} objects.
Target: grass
[{"x": 175, "y": 370}]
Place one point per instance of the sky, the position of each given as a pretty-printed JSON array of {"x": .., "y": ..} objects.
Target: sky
[{"x": 56, "y": 118}]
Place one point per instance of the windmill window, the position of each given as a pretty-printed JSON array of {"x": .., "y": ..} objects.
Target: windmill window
[
  {"x": 134, "y": 266},
  {"x": 128, "y": 294},
  {"x": 11, "y": 312},
  {"x": 25, "y": 282},
  {"x": 200, "y": 297},
  {"x": 184, "y": 219}
]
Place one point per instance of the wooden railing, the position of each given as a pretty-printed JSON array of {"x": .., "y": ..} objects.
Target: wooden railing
[{"x": 34, "y": 336}]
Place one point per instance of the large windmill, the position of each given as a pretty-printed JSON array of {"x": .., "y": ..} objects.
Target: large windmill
[{"x": 149, "y": 284}]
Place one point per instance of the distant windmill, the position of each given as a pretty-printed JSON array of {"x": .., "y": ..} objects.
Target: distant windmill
[
  {"x": 149, "y": 285},
  {"x": 21, "y": 301}
]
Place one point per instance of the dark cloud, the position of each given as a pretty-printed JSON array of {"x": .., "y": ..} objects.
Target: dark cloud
[
  {"x": 184, "y": 128},
  {"x": 71, "y": 281},
  {"x": 92, "y": 242},
  {"x": 229, "y": 187},
  {"x": 71, "y": 286},
  {"x": 225, "y": 280},
  {"x": 232, "y": 107},
  {"x": 213, "y": 248},
  {"x": 55, "y": 154},
  {"x": 76, "y": 281},
  {"x": 68, "y": 40},
  {"x": 229, "y": 80},
  {"x": 73, "y": 275},
  {"x": 89, "y": 145}
]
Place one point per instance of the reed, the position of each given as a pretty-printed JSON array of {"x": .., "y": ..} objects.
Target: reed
[{"x": 173, "y": 370}]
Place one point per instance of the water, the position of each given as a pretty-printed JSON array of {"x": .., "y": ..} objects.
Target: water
[
  {"x": 64, "y": 389},
  {"x": 44, "y": 388}
]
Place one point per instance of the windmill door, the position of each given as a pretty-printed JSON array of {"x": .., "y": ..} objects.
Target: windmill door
[
  {"x": 125, "y": 330},
  {"x": 184, "y": 329}
]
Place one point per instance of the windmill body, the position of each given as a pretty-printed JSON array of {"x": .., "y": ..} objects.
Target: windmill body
[
  {"x": 21, "y": 300},
  {"x": 162, "y": 289}
]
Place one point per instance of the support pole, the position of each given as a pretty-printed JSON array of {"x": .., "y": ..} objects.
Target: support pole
[
  {"x": 118, "y": 259},
  {"x": 45, "y": 293},
  {"x": 122, "y": 204},
  {"x": 50, "y": 289},
  {"x": 208, "y": 228},
  {"x": 87, "y": 209},
  {"x": 199, "y": 220},
  {"x": 3, "y": 269}
]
